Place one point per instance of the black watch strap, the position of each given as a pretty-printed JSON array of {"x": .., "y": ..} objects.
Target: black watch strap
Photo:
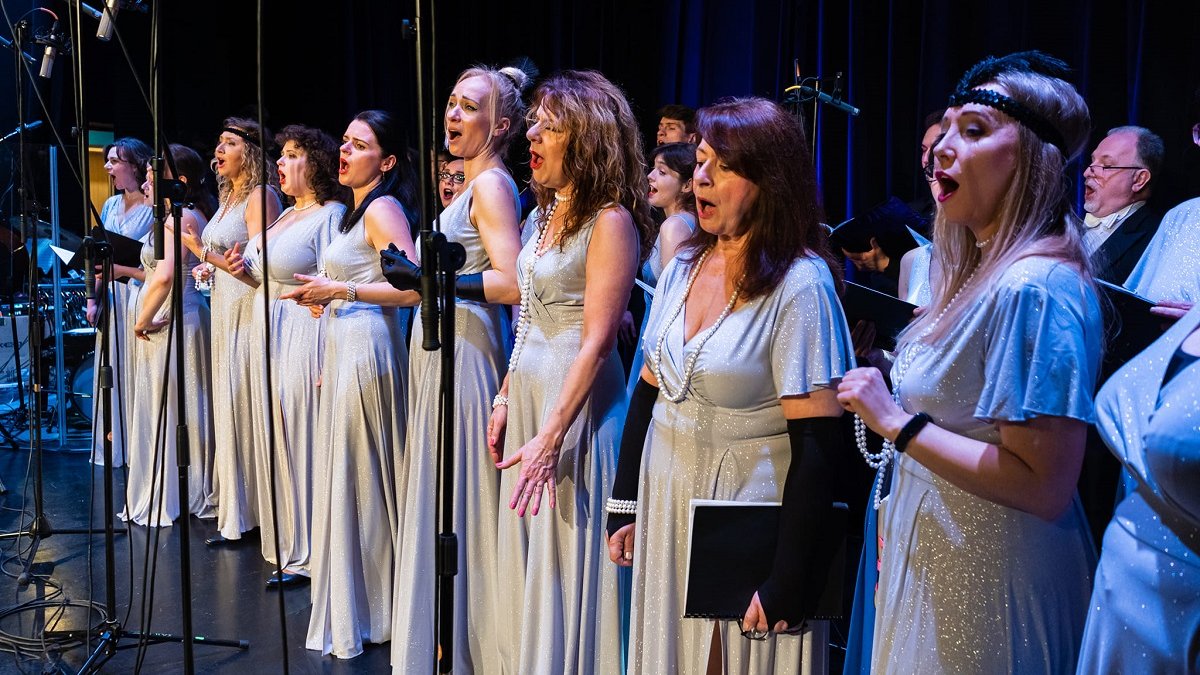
[{"x": 910, "y": 429}]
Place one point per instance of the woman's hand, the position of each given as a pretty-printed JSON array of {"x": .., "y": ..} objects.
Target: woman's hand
[
  {"x": 93, "y": 312},
  {"x": 495, "y": 432},
  {"x": 315, "y": 291},
  {"x": 143, "y": 328},
  {"x": 202, "y": 272},
  {"x": 755, "y": 619},
  {"x": 620, "y": 546},
  {"x": 235, "y": 261},
  {"x": 863, "y": 392},
  {"x": 1171, "y": 309},
  {"x": 191, "y": 239},
  {"x": 539, "y": 467}
]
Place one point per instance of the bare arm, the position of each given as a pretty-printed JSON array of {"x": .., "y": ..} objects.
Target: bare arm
[
  {"x": 905, "y": 269},
  {"x": 254, "y": 213},
  {"x": 158, "y": 285},
  {"x": 673, "y": 233},
  {"x": 499, "y": 227}
]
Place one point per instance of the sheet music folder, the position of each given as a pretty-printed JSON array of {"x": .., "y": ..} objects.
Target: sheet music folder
[
  {"x": 1129, "y": 326},
  {"x": 732, "y": 550},
  {"x": 126, "y": 251},
  {"x": 891, "y": 223},
  {"x": 890, "y": 315}
]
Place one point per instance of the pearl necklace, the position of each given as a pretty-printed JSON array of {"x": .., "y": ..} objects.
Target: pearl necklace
[
  {"x": 523, "y": 315},
  {"x": 689, "y": 362},
  {"x": 298, "y": 209},
  {"x": 880, "y": 460}
]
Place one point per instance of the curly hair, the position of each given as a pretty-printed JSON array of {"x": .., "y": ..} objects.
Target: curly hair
[
  {"x": 763, "y": 143},
  {"x": 504, "y": 99},
  {"x": 320, "y": 169},
  {"x": 252, "y": 166},
  {"x": 603, "y": 155}
]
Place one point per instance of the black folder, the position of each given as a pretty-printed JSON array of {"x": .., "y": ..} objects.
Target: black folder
[
  {"x": 732, "y": 550},
  {"x": 889, "y": 314},
  {"x": 1128, "y": 326},
  {"x": 125, "y": 251},
  {"x": 890, "y": 223}
]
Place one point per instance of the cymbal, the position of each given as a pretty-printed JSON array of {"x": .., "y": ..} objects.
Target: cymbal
[{"x": 45, "y": 231}]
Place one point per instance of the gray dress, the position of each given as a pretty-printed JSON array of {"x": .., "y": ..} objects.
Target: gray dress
[
  {"x": 232, "y": 359},
  {"x": 968, "y": 585},
  {"x": 295, "y": 366},
  {"x": 1167, "y": 269},
  {"x": 557, "y": 605},
  {"x": 651, "y": 270},
  {"x": 727, "y": 439},
  {"x": 360, "y": 437},
  {"x": 151, "y": 458},
  {"x": 482, "y": 337},
  {"x": 122, "y": 305},
  {"x": 1144, "y": 616}
]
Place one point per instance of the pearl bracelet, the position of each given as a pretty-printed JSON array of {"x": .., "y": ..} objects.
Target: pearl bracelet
[
  {"x": 621, "y": 506},
  {"x": 499, "y": 400},
  {"x": 351, "y": 291}
]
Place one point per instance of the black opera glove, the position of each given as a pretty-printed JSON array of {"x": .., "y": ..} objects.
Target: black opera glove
[
  {"x": 405, "y": 275},
  {"x": 633, "y": 440}
]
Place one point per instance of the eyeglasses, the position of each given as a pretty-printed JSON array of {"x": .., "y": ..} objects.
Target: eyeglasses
[
  {"x": 458, "y": 177},
  {"x": 1105, "y": 168}
]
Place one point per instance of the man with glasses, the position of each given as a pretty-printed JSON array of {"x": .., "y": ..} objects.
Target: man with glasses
[{"x": 1116, "y": 186}]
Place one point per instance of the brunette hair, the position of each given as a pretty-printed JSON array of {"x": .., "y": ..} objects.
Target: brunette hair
[
  {"x": 603, "y": 154},
  {"x": 189, "y": 165},
  {"x": 676, "y": 111},
  {"x": 252, "y": 166},
  {"x": 761, "y": 142},
  {"x": 320, "y": 170},
  {"x": 131, "y": 150},
  {"x": 680, "y": 158},
  {"x": 400, "y": 182}
]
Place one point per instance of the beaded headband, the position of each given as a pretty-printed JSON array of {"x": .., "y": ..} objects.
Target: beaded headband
[
  {"x": 244, "y": 135},
  {"x": 1014, "y": 109},
  {"x": 1021, "y": 62}
]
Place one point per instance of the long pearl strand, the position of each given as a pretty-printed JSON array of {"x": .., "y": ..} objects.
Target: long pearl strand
[
  {"x": 527, "y": 284},
  {"x": 689, "y": 363},
  {"x": 880, "y": 460}
]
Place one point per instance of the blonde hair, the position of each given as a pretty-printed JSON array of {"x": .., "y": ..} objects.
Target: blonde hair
[
  {"x": 1034, "y": 217},
  {"x": 504, "y": 100},
  {"x": 252, "y": 165}
]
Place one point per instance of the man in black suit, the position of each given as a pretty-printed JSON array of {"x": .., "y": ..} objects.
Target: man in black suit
[{"x": 1117, "y": 184}]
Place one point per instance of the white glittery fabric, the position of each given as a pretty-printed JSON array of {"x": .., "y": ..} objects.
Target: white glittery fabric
[
  {"x": 1170, "y": 267},
  {"x": 727, "y": 439},
  {"x": 1145, "y": 611},
  {"x": 920, "y": 288},
  {"x": 295, "y": 365},
  {"x": 967, "y": 585},
  {"x": 149, "y": 430},
  {"x": 360, "y": 437},
  {"x": 557, "y": 604},
  {"x": 233, "y": 355},
  {"x": 122, "y": 303},
  {"x": 482, "y": 337}
]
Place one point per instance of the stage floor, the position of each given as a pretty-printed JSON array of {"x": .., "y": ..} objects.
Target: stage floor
[{"x": 230, "y": 600}]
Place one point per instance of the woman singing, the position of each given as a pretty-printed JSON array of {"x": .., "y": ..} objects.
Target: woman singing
[
  {"x": 744, "y": 345},
  {"x": 483, "y": 114},
  {"x": 238, "y": 163},
  {"x": 307, "y": 169},
  {"x": 361, "y": 419},
  {"x": 564, "y": 397},
  {"x": 986, "y": 558}
]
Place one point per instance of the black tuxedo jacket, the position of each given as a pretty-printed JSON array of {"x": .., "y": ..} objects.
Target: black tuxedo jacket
[{"x": 1117, "y": 256}]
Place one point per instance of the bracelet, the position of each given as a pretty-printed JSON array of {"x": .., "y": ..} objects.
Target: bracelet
[
  {"x": 621, "y": 506},
  {"x": 204, "y": 253},
  {"x": 351, "y": 291},
  {"x": 910, "y": 429},
  {"x": 499, "y": 400}
]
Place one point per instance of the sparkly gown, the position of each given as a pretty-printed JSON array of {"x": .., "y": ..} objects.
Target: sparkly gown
[
  {"x": 1144, "y": 616},
  {"x": 360, "y": 437},
  {"x": 651, "y": 270},
  {"x": 295, "y": 366},
  {"x": 557, "y": 603},
  {"x": 727, "y": 439},
  {"x": 481, "y": 357},
  {"x": 122, "y": 304},
  {"x": 151, "y": 444},
  {"x": 968, "y": 585},
  {"x": 233, "y": 358},
  {"x": 1167, "y": 269}
]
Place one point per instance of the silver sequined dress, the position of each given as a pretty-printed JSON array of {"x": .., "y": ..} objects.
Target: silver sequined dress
[
  {"x": 727, "y": 439},
  {"x": 967, "y": 585},
  {"x": 1168, "y": 269},
  {"x": 295, "y": 366},
  {"x": 482, "y": 337},
  {"x": 233, "y": 355},
  {"x": 360, "y": 438},
  {"x": 122, "y": 305},
  {"x": 557, "y": 604},
  {"x": 151, "y": 457},
  {"x": 1144, "y": 616},
  {"x": 651, "y": 270},
  {"x": 920, "y": 285}
]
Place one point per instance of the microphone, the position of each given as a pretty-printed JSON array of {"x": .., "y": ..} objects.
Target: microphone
[
  {"x": 53, "y": 40},
  {"x": 89, "y": 269},
  {"x": 8, "y": 44},
  {"x": 28, "y": 126},
  {"x": 108, "y": 20},
  {"x": 809, "y": 93},
  {"x": 91, "y": 11}
]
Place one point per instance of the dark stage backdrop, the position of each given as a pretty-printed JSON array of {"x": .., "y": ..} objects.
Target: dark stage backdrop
[{"x": 1135, "y": 62}]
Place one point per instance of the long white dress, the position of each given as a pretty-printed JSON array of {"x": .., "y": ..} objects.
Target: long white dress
[
  {"x": 481, "y": 357},
  {"x": 557, "y": 603},
  {"x": 296, "y": 349},
  {"x": 152, "y": 484},
  {"x": 965, "y": 584},
  {"x": 727, "y": 439},
  {"x": 121, "y": 313},
  {"x": 360, "y": 437},
  {"x": 232, "y": 359}
]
